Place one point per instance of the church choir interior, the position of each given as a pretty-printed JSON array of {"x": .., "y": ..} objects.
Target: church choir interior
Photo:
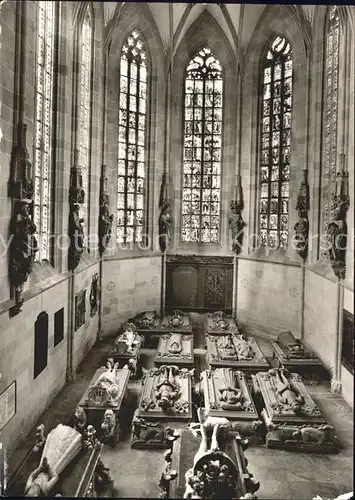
[{"x": 177, "y": 272}]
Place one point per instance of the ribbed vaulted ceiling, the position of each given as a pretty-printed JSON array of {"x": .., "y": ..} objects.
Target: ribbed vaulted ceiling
[{"x": 236, "y": 20}]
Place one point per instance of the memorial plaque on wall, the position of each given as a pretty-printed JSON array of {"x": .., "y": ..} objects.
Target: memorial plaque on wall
[
  {"x": 199, "y": 283},
  {"x": 80, "y": 309},
  {"x": 347, "y": 352},
  {"x": 7, "y": 404},
  {"x": 41, "y": 343}
]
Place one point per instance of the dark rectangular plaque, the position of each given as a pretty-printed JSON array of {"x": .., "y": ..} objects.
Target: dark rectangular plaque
[
  {"x": 58, "y": 326},
  {"x": 347, "y": 351},
  {"x": 41, "y": 343}
]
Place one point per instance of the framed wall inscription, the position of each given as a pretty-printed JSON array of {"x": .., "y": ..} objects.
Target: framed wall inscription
[
  {"x": 347, "y": 351},
  {"x": 7, "y": 404},
  {"x": 80, "y": 309}
]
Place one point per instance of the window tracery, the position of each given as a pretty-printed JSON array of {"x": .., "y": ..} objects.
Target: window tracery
[
  {"x": 202, "y": 149},
  {"x": 85, "y": 112},
  {"x": 275, "y": 154},
  {"x": 132, "y": 127},
  {"x": 332, "y": 40},
  {"x": 43, "y": 125}
]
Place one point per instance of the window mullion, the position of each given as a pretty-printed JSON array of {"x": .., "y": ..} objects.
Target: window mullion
[{"x": 202, "y": 152}]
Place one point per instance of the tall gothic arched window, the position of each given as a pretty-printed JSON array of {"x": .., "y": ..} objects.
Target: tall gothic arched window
[
  {"x": 132, "y": 127},
  {"x": 275, "y": 154},
  {"x": 85, "y": 105},
  {"x": 331, "y": 75},
  {"x": 43, "y": 158},
  {"x": 200, "y": 218}
]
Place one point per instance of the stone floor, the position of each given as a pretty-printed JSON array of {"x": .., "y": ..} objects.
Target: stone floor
[{"x": 282, "y": 474}]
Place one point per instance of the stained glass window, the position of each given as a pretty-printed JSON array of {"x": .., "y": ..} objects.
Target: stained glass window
[
  {"x": 132, "y": 125},
  {"x": 331, "y": 108},
  {"x": 85, "y": 112},
  {"x": 200, "y": 218},
  {"x": 275, "y": 154},
  {"x": 43, "y": 130}
]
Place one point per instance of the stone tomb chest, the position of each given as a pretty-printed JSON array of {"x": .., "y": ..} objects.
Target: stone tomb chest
[
  {"x": 107, "y": 391},
  {"x": 151, "y": 325},
  {"x": 235, "y": 351},
  {"x": 126, "y": 346},
  {"x": 175, "y": 349},
  {"x": 226, "y": 394},
  {"x": 219, "y": 323},
  {"x": 166, "y": 394},
  {"x": 293, "y": 355},
  {"x": 290, "y": 414}
]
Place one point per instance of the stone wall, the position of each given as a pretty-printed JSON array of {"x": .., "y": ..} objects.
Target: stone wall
[
  {"x": 268, "y": 297},
  {"x": 130, "y": 286},
  {"x": 17, "y": 362}
]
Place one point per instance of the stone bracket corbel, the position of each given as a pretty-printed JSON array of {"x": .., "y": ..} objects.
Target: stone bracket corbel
[
  {"x": 165, "y": 217},
  {"x": 23, "y": 244},
  {"x": 302, "y": 225}
]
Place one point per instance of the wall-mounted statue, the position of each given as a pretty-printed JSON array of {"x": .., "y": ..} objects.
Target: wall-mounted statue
[
  {"x": 105, "y": 218},
  {"x": 302, "y": 225},
  {"x": 337, "y": 227},
  {"x": 165, "y": 217},
  {"x": 76, "y": 230},
  {"x": 235, "y": 220},
  {"x": 23, "y": 248},
  {"x": 94, "y": 295},
  {"x": 165, "y": 222}
]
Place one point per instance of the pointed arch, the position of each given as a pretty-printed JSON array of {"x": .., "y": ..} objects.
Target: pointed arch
[
  {"x": 275, "y": 141},
  {"x": 331, "y": 133},
  {"x": 276, "y": 21},
  {"x": 47, "y": 19},
  {"x": 205, "y": 32},
  {"x": 126, "y": 144}
]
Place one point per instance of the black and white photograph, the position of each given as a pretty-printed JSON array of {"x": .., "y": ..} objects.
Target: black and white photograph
[{"x": 177, "y": 250}]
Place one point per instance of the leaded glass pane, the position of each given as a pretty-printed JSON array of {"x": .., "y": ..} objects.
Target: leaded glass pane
[
  {"x": 331, "y": 109},
  {"x": 43, "y": 126},
  {"x": 202, "y": 149},
  {"x": 132, "y": 139},
  {"x": 275, "y": 131},
  {"x": 85, "y": 113}
]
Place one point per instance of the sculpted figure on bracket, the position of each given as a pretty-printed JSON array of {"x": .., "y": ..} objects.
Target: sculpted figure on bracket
[
  {"x": 105, "y": 218},
  {"x": 23, "y": 248},
  {"x": 76, "y": 230}
]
